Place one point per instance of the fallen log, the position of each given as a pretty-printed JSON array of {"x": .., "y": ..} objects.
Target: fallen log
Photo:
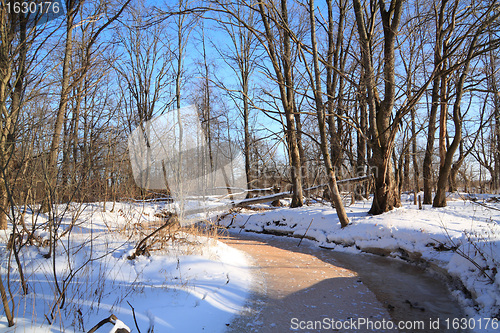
[
  {"x": 268, "y": 198},
  {"x": 341, "y": 182}
]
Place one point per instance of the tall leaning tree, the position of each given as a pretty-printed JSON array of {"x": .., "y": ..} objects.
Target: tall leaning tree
[{"x": 316, "y": 87}]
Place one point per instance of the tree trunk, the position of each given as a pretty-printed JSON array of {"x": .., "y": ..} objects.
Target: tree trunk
[
  {"x": 334, "y": 47},
  {"x": 406, "y": 171},
  {"x": 61, "y": 111},
  {"x": 429, "y": 151},
  {"x": 456, "y": 167},
  {"x": 320, "y": 110},
  {"x": 416, "y": 187},
  {"x": 303, "y": 166},
  {"x": 443, "y": 119},
  {"x": 381, "y": 129},
  {"x": 75, "y": 143},
  {"x": 293, "y": 135},
  {"x": 4, "y": 204},
  {"x": 398, "y": 171},
  {"x": 285, "y": 82},
  {"x": 297, "y": 198},
  {"x": 497, "y": 145},
  {"x": 386, "y": 191},
  {"x": 361, "y": 145},
  {"x": 446, "y": 164},
  {"x": 246, "y": 114},
  {"x": 6, "y": 306},
  {"x": 493, "y": 86}
]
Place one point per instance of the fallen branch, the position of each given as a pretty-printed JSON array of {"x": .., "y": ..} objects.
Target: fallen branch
[
  {"x": 142, "y": 247},
  {"x": 476, "y": 202},
  {"x": 340, "y": 182},
  {"x": 111, "y": 319}
]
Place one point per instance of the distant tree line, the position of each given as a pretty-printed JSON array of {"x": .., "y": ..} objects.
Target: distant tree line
[{"x": 404, "y": 90}]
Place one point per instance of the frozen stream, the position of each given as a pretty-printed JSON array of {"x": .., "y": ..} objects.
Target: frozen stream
[
  {"x": 403, "y": 292},
  {"x": 409, "y": 292}
]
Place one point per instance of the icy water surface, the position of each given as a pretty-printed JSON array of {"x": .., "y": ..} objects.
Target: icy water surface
[{"x": 409, "y": 293}]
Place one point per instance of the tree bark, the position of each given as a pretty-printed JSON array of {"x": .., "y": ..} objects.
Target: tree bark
[
  {"x": 381, "y": 128},
  {"x": 61, "y": 111},
  {"x": 6, "y": 306},
  {"x": 285, "y": 82},
  {"x": 320, "y": 110},
  {"x": 334, "y": 47}
]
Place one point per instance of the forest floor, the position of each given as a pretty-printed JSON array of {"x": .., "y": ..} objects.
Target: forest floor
[{"x": 192, "y": 284}]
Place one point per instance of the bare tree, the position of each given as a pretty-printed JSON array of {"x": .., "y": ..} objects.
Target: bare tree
[
  {"x": 73, "y": 7},
  {"x": 241, "y": 55},
  {"x": 15, "y": 42},
  {"x": 493, "y": 86},
  {"x": 471, "y": 27},
  {"x": 145, "y": 67},
  {"x": 13, "y": 52},
  {"x": 382, "y": 130},
  {"x": 320, "y": 110},
  {"x": 282, "y": 65},
  {"x": 184, "y": 24}
]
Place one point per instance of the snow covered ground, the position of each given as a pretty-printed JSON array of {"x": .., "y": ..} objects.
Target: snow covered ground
[
  {"x": 194, "y": 284},
  {"x": 461, "y": 240}
]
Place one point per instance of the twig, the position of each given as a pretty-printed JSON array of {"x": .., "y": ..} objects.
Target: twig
[
  {"x": 135, "y": 319},
  {"x": 243, "y": 226},
  {"x": 456, "y": 248},
  {"x": 304, "y": 235}
]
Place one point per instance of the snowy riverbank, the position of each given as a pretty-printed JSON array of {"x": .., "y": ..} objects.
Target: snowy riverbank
[
  {"x": 194, "y": 284},
  {"x": 443, "y": 238}
]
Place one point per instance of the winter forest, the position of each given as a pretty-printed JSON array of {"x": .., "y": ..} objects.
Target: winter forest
[{"x": 381, "y": 106}]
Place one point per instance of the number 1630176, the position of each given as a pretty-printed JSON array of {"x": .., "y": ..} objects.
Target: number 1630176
[
  {"x": 472, "y": 323},
  {"x": 32, "y": 7}
]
